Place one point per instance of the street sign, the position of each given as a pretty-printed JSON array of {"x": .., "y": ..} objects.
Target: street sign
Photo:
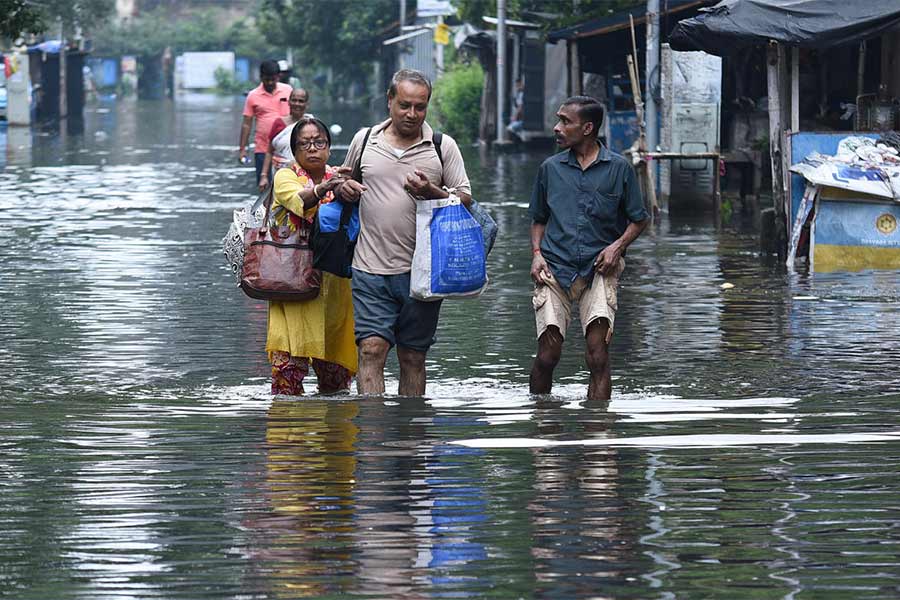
[
  {"x": 442, "y": 34},
  {"x": 434, "y": 8}
]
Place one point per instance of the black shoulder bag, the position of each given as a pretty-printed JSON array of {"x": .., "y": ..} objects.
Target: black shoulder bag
[{"x": 332, "y": 247}]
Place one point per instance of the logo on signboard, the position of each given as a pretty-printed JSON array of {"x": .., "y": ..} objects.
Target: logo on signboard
[{"x": 886, "y": 223}]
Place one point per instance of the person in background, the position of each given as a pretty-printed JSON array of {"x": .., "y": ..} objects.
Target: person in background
[
  {"x": 317, "y": 331},
  {"x": 264, "y": 104},
  {"x": 517, "y": 122},
  {"x": 399, "y": 164},
  {"x": 286, "y": 74},
  {"x": 279, "y": 153},
  {"x": 586, "y": 208}
]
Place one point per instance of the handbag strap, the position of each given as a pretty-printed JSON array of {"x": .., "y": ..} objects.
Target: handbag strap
[
  {"x": 261, "y": 198},
  {"x": 269, "y": 197}
]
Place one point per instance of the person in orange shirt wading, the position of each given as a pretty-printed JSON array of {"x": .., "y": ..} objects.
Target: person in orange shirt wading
[{"x": 265, "y": 103}]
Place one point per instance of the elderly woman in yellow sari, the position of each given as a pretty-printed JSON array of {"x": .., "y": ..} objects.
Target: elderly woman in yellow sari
[{"x": 318, "y": 331}]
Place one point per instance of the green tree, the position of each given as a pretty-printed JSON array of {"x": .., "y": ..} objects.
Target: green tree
[
  {"x": 342, "y": 34},
  {"x": 25, "y": 16},
  {"x": 147, "y": 35},
  {"x": 18, "y": 16},
  {"x": 151, "y": 32},
  {"x": 552, "y": 13},
  {"x": 244, "y": 38}
]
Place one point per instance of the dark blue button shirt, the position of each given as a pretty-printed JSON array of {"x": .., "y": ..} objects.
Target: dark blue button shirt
[{"x": 584, "y": 210}]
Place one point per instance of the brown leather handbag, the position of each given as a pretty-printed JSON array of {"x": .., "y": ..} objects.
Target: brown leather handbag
[{"x": 278, "y": 262}]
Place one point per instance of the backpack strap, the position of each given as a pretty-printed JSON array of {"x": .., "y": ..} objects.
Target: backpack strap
[
  {"x": 436, "y": 140},
  {"x": 346, "y": 214},
  {"x": 357, "y": 168}
]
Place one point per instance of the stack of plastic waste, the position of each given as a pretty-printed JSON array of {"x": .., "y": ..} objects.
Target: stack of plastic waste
[{"x": 861, "y": 164}]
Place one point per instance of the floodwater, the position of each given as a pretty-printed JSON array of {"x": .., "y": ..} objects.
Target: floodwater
[{"x": 751, "y": 448}]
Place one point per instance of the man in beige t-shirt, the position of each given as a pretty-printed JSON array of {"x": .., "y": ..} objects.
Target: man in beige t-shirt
[{"x": 399, "y": 166}]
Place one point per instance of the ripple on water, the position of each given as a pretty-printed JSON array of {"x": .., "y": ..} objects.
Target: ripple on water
[{"x": 751, "y": 442}]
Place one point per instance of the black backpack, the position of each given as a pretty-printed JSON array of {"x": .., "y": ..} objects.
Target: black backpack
[{"x": 333, "y": 250}]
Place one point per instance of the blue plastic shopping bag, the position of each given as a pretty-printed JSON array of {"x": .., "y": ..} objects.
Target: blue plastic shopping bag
[{"x": 449, "y": 260}]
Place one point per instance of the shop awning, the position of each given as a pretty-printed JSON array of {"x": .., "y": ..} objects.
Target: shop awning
[
  {"x": 735, "y": 24},
  {"x": 620, "y": 20}
]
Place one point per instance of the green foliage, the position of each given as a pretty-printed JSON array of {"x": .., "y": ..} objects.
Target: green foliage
[
  {"x": 227, "y": 84},
  {"x": 456, "y": 104},
  {"x": 19, "y": 16},
  {"x": 198, "y": 33},
  {"x": 727, "y": 209},
  {"x": 146, "y": 36},
  {"x": 345, "y": 36},
  {"x": 25, "y": 16},
  {"x": 244, "y": 38},
  {"x": 552, "y": 13},
  {"x": 761, "y": 143},
  {"x": 152, "y": 32}
]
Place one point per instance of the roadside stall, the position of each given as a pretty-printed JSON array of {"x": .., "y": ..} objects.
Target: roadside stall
[
  {"x": 834, "y": 28},
  {"x": 847, "y": 217}
]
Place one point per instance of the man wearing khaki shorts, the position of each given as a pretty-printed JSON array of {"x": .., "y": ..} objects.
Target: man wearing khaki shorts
[{"x": 586, "y": 208}]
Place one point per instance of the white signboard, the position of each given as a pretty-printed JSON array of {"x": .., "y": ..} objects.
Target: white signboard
[
  {"x": 434, "y": 8},
  {"x": 198, "y": 68}
]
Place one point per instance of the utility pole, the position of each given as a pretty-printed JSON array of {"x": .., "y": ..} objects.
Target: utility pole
[
  {"x": 439, "y": 51},
  {"x": 501, "y": 70},
  {"x": 652, "y": 78},
  {"x": 399, "y": 62}
]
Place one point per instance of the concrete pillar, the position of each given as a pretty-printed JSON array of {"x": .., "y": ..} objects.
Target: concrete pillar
[
  {"x": 652, "y": 76},
  {"x": 501, "y": 71}
]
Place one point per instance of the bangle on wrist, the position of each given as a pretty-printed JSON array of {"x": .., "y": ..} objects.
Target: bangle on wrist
[
  {"x": 536, "y": 251},
  {"x": 316, "y": 192}
]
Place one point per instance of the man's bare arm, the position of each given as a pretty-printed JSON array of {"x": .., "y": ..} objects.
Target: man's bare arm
[
  {"x": 608, "y": 259},
  {"x": 246, "y": 123}
]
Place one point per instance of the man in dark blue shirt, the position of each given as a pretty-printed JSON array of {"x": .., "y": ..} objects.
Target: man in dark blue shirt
[{"x": 586, "y": 209}]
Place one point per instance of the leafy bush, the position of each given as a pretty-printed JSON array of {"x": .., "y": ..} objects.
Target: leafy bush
[
  {"x": 227, "y": 84},
  {"x": 457, "y": 101}
]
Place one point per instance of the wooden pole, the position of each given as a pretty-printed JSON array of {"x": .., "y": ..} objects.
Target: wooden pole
[
  {"x": 640, "y": 145},
  {"x": 861, "y": 70},
  {"x": 773, "y": 63},
  {"x": 644, "y": 172},
  {"x": 634, "y": 45},
  {"x": 795, "y": 89},
  {"x": 574, "y": 69},
  {"x": 717, "y": 195}
]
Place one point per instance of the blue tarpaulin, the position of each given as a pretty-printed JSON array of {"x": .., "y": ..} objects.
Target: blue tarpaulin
[{"x": 49, "y": 47}]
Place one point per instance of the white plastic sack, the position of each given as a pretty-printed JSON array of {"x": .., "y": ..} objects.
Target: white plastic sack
[
  {"x": 449, "y": 260},
  {"x": 245, "y": 217}
]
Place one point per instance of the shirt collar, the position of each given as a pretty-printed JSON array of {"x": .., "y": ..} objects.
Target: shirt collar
[
  {"x": 262, "y": 90},
  {"x": 602, "y": 156},
  {"x": 378, "y": 130}
]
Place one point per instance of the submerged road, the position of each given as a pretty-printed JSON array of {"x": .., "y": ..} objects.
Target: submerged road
[{"x": 750, "y": 449}]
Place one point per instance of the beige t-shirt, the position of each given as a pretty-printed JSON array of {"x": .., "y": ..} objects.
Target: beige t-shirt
[{"x": 387, "y": 212}]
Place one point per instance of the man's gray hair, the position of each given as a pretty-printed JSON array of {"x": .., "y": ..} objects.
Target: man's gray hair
[{"x": 411, "y": 75}]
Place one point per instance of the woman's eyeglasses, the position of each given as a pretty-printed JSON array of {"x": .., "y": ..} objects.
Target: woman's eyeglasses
[{"x": 318, "y": 144}]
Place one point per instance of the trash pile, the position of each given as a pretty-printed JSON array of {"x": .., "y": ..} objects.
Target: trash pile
[{"x": 861, "y": 165}]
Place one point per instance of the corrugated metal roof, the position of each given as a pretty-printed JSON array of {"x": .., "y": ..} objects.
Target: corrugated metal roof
[{"x": 620, "y": 20}]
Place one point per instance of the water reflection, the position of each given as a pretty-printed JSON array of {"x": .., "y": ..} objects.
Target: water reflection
[
  {"x": 383, "y": 511},
  {"x": 310, "y": 481},
  {"x": 748, "y": 445}
]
